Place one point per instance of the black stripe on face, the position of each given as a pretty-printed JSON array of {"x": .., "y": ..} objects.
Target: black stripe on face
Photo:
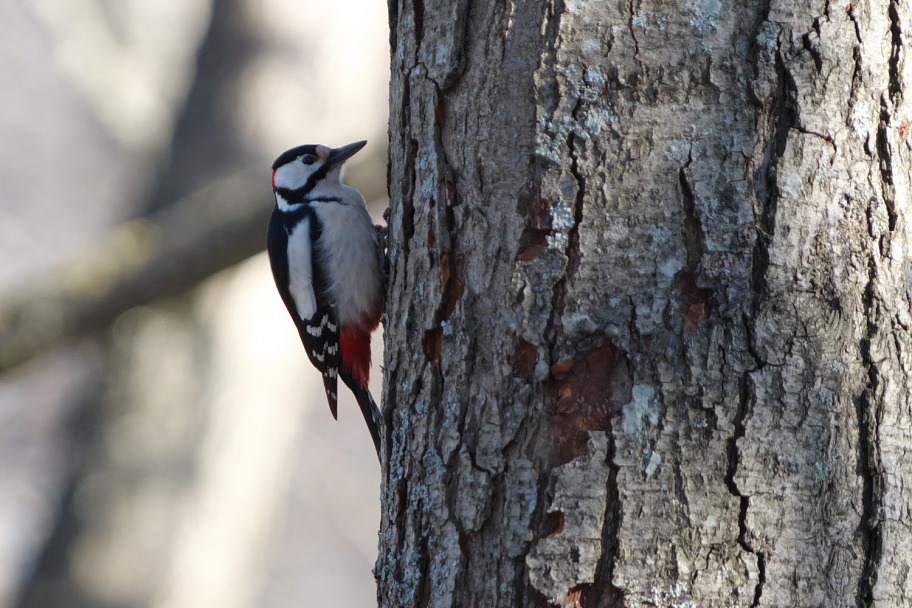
[{"x": 316, "y": 177}]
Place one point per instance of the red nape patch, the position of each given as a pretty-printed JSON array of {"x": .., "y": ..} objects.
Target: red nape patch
[
  {"x": 273, "y": 180},
  {"x": 355, "y": 345}
]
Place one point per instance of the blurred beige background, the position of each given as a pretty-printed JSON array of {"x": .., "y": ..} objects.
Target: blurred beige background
[{"x": 185, "y": 456}]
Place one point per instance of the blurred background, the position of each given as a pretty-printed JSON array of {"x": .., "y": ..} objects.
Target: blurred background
[{"x": 163, "y": 441}]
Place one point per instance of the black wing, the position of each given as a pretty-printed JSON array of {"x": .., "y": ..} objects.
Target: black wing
[{"x": 320, "y": 332}]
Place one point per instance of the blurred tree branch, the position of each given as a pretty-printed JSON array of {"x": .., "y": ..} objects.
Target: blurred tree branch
[
  {"x": 161, "y": 254},
  {"x": 188, "y": 229}
]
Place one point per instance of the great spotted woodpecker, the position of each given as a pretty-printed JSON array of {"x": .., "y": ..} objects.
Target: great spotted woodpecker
[{"x": 327, "y": 262}]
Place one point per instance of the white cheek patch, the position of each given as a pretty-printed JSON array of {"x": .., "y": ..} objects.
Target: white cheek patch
[
  {"x": 300, "y": 270},
  {"x": 292, "y": 175}
]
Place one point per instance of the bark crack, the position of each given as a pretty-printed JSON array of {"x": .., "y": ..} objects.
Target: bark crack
[
  {"x": 868, "y": 405},
  {"x": 573, "y": 244},
  {"x": 783, "y": 114},
  {"x": 636, "y": 43},
  {"x": 418, "y": 9},
  {"x": 605, "y": 591},
  {"x": 692, "y": 226},
  {"x": 885, "y": 163},
  {"x": 780, "y": 118},
  {"x": 572, "y": 251},
  {"x": 850, "y": 11},
  {"x": 743, "y": 499},
  {"x": 896, "y": 84},
  {"x": 827, "y": 138},
  {"x": 856, "y": 80},
  {"x": 869, "y": 462},
  {"x": 811, "y": 48}
]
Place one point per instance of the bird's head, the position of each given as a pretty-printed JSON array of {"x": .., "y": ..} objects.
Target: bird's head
[{"x": 310, "y": 170}]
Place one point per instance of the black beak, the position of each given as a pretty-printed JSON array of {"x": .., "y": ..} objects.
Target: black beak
[{"x": 337, "y": 156}]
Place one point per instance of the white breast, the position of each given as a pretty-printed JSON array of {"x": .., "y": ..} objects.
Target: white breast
[
  {"x": 349, "y": 244},
  {"x": 300, "y": 270}
]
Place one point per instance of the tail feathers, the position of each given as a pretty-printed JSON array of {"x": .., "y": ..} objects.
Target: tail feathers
[
  {"x": 371, "y": 414},
  {"x": 330, "y": 385}
]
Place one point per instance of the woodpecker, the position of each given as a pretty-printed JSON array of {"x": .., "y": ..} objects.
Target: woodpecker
[{"x": 327, "y": 263}]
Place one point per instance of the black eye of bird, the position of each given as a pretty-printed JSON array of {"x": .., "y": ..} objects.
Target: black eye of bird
[{"x": 307, "y": 159}]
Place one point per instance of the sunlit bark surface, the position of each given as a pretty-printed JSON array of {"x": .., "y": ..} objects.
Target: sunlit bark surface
[{"x": 648, "y": 330}]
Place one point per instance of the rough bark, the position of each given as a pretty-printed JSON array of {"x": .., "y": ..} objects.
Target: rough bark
[{"x": 648, "y": 329}]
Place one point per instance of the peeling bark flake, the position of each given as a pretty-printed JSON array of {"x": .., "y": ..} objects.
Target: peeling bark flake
[{"x": 582, "y": 399}]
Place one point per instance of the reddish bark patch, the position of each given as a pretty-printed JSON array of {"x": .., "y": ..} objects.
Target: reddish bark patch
[
  {"x": 534, "y": 238},
  {"x": 440, "y": 113},
  {"x": 574, "y": 597},
  {"x": 904, "y": 129},
  {"x": 561, "y": 368},
  {"x": 695, "y": 300},
  {"x": 433, "y": 345},
  {"x": 696, "y": 312},
  {"x": 444, "y": 271},
  {"x": 524, "y": 359},
  {"x": 553, "y": 524},
  {"x": 465, "y": 541},
  {"x": 581, "y": 396},
  {"x": 537, "y": 211},
  {"x": 452, "y": 288},
  {"x": 589, "y": 595},
  {"x": 452, "y": 282},
  {"x": 531, "y": 243}
]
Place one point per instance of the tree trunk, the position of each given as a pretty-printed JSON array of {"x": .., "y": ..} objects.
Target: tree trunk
[{"x": 648, "y": 328}]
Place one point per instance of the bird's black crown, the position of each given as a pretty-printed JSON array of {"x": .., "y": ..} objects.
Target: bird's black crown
[{"x": 290, "y": 155}]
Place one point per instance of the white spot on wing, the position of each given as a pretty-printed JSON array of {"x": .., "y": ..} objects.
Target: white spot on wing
[
  {"x": 318, "y": 328},
  {"x": 300, "y": 270}
]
